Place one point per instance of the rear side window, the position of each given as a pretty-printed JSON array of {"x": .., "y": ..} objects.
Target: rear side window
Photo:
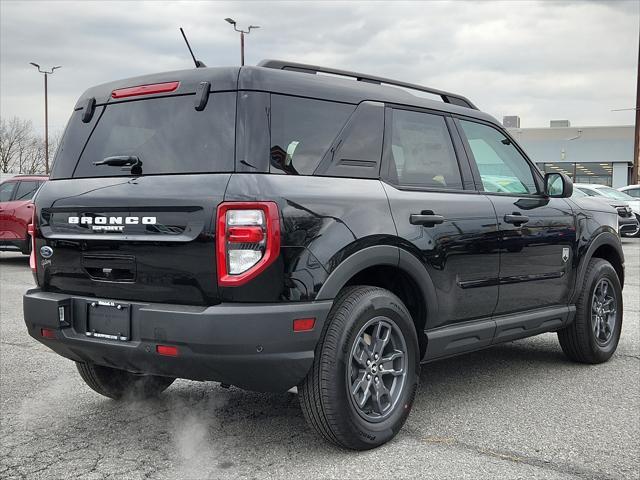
[
  {"x": 422, "y": 152},
  {"x": 6, "y": 189},
  {"x": 26, "y": 190},
  {"x": 302, "y": 130},
  {"x": 166, "y": 134}
]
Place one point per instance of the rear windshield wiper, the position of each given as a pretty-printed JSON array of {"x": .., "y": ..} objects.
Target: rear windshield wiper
[{"x": 123, "y": 161}]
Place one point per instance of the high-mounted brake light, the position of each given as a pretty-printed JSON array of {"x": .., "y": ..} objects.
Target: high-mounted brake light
[
  {"x": 247, "y": 240},
  {"x": 145, "y": 89}
]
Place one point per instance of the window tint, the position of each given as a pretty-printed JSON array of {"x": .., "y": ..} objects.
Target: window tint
[
  {"x": 6, "y": 189},
  {"x": 302, "y": 130},
  {"x": 422, "y": 152},
  {"x": 167, "y": 134},
  {"x": 502, "y": 168},
  {"x": 26, "y": 190}
]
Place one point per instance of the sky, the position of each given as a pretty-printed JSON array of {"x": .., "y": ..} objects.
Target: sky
[{"x": 540, "y": 60}]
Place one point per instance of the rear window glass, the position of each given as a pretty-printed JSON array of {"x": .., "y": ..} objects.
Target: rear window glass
[
  {"x": 302, "y": 130},
  {"x": 166, "y": 134},
  {"x": 26, "y": 190}
]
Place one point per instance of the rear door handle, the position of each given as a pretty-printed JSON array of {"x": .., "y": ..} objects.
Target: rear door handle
[
  {"x": 425, "y": 219},
  {"x": 516, "y": 218}
]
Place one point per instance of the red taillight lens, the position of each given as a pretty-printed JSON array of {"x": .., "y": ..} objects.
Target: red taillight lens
[
  {"x": 247, "y": 240},
  {"x": 245, "y": 234},
  {"x": 33, "y": 231},
  {"x": 303, "y": 324},
  {"x": 167, "y": 350},
  {"x": 145, "y": 89}
]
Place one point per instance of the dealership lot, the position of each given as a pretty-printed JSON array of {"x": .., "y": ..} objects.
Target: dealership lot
[{"x": 516, "y": 410}]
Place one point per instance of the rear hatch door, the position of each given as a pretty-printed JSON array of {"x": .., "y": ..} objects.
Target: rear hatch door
[{"x": 142, "y": 228}]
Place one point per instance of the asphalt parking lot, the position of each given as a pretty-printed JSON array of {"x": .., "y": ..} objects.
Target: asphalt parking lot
[{"x": 519, "y": 410}]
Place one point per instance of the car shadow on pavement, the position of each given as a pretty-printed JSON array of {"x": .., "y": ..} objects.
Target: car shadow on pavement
[{"x": 15, "y": 259}]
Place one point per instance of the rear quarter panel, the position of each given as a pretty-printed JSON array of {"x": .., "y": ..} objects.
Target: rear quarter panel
[{"x": 324, "y": 220}]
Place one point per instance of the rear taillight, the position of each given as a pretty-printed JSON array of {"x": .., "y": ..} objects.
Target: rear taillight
[
  {"x": 32, "y": 230},
  {"x": 247, "y": 240}
]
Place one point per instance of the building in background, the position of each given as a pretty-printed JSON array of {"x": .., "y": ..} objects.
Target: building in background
[{"x": 587, "y": 154}]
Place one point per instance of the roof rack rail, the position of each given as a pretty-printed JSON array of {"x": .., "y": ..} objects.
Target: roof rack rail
[{"x": 447, "y": 97}]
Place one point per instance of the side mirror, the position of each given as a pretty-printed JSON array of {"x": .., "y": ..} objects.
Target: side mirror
[{"x": 557, "y": 185}]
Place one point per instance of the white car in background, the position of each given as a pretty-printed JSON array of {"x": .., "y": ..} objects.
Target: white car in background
[
  {"x": 596, "y": 190},
  {"x": 631, "y": 190}
]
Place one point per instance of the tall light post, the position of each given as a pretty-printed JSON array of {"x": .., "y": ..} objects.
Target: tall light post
[
  {"x": 46, "y": 73},
  {"x": 242, "y": 32}
]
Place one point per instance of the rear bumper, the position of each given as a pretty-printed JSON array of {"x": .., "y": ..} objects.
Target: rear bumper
[{"x": 252, "y": 346}]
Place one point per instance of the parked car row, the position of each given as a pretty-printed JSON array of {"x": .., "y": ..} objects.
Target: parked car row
[
  {"x": 16, "y": 211},
  {"x": 628, "y": 207}
]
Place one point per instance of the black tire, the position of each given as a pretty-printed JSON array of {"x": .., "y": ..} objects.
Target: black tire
[
  {"x": 578, "y": 340},
  {"x": 26, "y": 247},
  {"x": 327, "y": 404},
  {"x": 118, "y": 384}
]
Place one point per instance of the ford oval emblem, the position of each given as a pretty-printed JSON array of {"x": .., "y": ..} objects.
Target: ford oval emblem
[{"x": 46, "y": 252}]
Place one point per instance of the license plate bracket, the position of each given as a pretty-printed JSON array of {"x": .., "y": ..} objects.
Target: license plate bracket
[{"x": 109, "y": 320}]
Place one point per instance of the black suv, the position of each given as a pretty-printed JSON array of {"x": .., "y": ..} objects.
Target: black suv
[{"x": 278, "y": 226}]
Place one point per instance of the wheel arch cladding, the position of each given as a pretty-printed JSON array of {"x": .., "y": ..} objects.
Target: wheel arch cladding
[
  {"x": 606, "y": 246},
  {"x": 394, "y": 269}
]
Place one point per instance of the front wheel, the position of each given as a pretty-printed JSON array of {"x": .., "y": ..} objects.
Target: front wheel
[
  {"x": 118, "y": 384},
  {"x": 594, "y": 334},
  {"x": 361, "y": 386}
]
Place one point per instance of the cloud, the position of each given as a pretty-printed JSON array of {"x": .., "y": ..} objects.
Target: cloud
[{"x": 541, "y": 60}]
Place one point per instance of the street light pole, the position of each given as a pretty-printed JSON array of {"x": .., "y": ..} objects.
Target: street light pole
[
  {"x": 46, "y": 114},
  {"x": 242, "y": 32},
  {"x": 635, "y": 174}
]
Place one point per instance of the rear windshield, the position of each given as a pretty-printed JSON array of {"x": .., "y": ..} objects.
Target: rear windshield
[{"x": 167, "y": 135}]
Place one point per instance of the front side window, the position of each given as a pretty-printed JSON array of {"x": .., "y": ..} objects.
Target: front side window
[
  {"x": 302, "y": 131},
  {"x": 422, "y": 152},
  {"x": 6, "y": 189},
  {"x": 26, "y": 190},
  {"x": 502, "y": 168}
]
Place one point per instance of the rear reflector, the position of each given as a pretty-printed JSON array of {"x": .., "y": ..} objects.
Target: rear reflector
[
  {"x": 168, "y": 350},
  {"x": 145, "y": 90},
  {"x": 47, "y": 333},
  {"x": 303, "y": 324}
]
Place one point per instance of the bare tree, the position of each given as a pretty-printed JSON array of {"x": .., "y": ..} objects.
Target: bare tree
[{"x": 15, "y": 135}]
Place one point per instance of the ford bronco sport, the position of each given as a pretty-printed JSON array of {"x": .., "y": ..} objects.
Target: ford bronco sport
[{"x": 278, "y": 226}]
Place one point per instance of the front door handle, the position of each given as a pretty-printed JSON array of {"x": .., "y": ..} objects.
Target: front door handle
[
  {"x": 426, "y": 218},
  {"x": 516, "y": 218}
]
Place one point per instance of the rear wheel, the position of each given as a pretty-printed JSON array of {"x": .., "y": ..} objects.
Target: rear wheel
[
  {"x": 361, "y": 387},
  {"x": 593, "y": 336},
  {"x": 116, "y": 384}
]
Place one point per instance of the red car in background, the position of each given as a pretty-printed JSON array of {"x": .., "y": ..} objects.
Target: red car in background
[{"x": 16, "y": 210}]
